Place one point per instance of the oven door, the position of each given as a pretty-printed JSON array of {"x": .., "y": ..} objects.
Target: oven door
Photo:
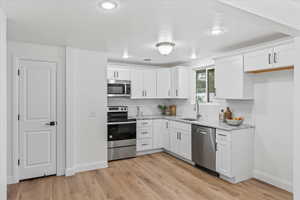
[{"x": 121, "y": 131}]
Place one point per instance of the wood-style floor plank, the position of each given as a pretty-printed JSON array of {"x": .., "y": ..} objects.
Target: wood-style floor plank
[{"x": 151, "y": 177}]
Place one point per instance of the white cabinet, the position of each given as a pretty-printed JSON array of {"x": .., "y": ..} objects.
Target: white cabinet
[
  {"x": 284, "y": 55},
  {"x": 180, "y": 82},
  {"x": 230, "y": 80},
  {"x": 234, "y": 157},
  {"x": 144, "y": 135},
  {"x": 180, "y": 139},
  {"x": 118, "y": 74},
  {"x": 258, "y": 60},
  {"x": 223, "y": 162},
  {"x": 143, "y": 84},
  {"x": 163, "y": 83},
  {"x": 271, "y": 58},
  {"x": 159, "y": 133}
]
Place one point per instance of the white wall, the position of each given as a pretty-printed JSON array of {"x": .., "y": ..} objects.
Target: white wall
[
  {"x": 3, "y": 105},
  {"x": 86, "y": 118},
  {"x": 296, "y": 139},
  {"x": 39, "y": 52},
  {"x": 273, "y": 115}
]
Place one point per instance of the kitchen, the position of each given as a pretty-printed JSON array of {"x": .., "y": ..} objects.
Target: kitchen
[{"x": 175, "y": 110}]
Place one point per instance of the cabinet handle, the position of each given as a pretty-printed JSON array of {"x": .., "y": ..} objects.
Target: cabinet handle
[
  {"x": 144, "y": 133},
  {"x": 270, "y": 58},
  {"x": 167, "y": 125},
  {"x": 222, "y": 135},
  {"x": 145, "y": 93},
  {"x": 176, "y": 93},
  {"x": 179, "y": 135},
  {"x": 114, "y": 74},
  {"x": 275, "y": 58},
  {"x": 144, "y": 144}
]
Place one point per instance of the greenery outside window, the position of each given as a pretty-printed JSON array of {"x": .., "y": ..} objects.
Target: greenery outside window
[{"x": 205, "y": 85}]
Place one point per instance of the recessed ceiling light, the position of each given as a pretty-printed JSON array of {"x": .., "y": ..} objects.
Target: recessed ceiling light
[
  {"x": 125, "y": 55},
  {"x": 217, "y": 30},
  {"x": 108, "y": 5},
  {"x": 193, "y": 56},
  {"x": 165, "y": 48}
]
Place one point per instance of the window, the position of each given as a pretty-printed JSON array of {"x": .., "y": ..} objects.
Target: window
[{"x": 205, "y": 85}]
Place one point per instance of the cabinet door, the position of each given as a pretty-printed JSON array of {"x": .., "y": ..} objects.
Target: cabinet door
[
  {"x": 137, "y": 88},
  {"x": 163, "y": 83},
  {"x": 223, "y": 155},
  {"x": 284, "y": 56},
  {"x": 185, "y": 145},
  {"x": 149, "y": 83},
  {"x": 122, "y": 74},
  {"x": 110, "y": 74},
  {"x": 158, "y": 133},
  {"x": 180, "y": 83},
  {"x": 166, "y": 135},
  {"x": 231, "y": 79},
  {"x": 174, "y": 141},
  {"x": 258, "y": 60}
]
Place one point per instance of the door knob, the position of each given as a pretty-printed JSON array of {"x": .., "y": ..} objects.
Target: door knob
[{"x": 53, "y": 123}]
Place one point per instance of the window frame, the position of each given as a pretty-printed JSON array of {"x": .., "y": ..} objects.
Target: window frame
[{"x": 208, "y": 100}]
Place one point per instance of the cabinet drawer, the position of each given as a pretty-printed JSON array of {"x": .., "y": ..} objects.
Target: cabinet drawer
[
  {"x": 144, "y": 123},
  {"x": 144, "y": 132},
  {"x": 180, "y": 126},
  {"x": 223, "y": 136},
  {"x": 144, "y": 144}
]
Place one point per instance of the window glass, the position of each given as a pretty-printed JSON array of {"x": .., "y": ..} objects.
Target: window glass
[
  {"x": 205, "y": 85},
  {"x": 201, "y": 86}
]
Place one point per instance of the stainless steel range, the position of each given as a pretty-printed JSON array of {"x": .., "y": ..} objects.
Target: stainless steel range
[{"x": 121, "y": 133}]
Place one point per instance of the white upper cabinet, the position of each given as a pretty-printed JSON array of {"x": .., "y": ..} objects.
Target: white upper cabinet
[
  {"x": 271, "y": 58},
  {"x": 180, "y": 82},
  {"x": 118, "y": 74},
  {"x": 284, "y": 55},
  {"x": 230, "y": 80},
  {"x": 143, "y": 84},
  {"x": 258, "y": 60},
  {"x": 137, "y": 87},
  {"x": 163, "y": 83}
]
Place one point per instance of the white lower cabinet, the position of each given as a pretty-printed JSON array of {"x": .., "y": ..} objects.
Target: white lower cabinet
[
  {"x": 165, "y": 134},
  {"x": 180, "y": 139},
  {"x": 234, "y": 157}
]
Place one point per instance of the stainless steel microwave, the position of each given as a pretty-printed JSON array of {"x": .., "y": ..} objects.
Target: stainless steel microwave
[{"x": 117, "y": 88}]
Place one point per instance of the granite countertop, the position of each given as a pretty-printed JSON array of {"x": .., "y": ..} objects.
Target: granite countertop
[{"x": 217, "y": 125}]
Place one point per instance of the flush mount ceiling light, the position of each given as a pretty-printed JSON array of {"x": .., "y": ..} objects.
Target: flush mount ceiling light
[
  {"x": 217, "y": 30},
  {"x": 108, "y": 5},
  {"x": 125, "y": 55},
  {"x": 165, "y": 48}
]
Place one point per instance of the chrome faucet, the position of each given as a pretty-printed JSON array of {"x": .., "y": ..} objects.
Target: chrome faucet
[{"x": 198, "y": 110}]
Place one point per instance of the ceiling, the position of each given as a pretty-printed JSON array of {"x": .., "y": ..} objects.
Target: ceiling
[{"x": 137, "y": 25}]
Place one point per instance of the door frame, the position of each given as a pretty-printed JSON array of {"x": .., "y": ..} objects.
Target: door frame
[{"x": 60, "y": 114}]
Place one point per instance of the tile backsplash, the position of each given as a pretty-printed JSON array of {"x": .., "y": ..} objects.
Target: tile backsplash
[{"x": 147, "y": 106}]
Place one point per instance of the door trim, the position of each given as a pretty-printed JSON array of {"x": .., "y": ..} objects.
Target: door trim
[{"x": 60, "y": 99}]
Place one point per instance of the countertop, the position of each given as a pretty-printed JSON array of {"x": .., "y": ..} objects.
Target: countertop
[{"x": 217, "y": 125}]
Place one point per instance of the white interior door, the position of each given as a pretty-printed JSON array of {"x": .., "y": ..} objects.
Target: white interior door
[{"x": 37, "y": 107}]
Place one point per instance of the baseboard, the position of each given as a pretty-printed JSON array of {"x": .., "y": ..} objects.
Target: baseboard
[
  {"x": 90, "y": 166},
  {"x": 12, "y": 180},
  {"x": 283, "y": 184},
  {"x": 141, "y": 153}
]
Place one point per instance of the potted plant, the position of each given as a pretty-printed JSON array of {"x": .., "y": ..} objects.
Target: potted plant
[{"x": 163, "y": 109}]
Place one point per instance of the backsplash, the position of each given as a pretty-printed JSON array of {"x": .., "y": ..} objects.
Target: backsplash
[
  {"x": 147, "y": 106},
  {"x": 210, "y": 111}
]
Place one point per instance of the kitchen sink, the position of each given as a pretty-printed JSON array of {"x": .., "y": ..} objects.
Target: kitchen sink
[{"x": 189, "y": 119}]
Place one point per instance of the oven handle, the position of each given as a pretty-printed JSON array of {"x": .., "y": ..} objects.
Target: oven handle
[{"x": 117, "y": 123}]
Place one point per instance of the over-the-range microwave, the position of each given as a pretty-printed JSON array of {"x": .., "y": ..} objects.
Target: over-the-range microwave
[{"x": 117, "y": 88}]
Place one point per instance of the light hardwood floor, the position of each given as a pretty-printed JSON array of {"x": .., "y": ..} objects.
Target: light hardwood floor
[{"x": 152, "y": 177}]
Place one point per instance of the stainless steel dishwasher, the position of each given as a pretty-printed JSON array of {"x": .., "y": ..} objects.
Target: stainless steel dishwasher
[{"x": 204, "y": 147}]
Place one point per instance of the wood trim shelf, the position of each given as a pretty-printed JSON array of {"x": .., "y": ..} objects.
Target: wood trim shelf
[{"x": 271, "y": 70}]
